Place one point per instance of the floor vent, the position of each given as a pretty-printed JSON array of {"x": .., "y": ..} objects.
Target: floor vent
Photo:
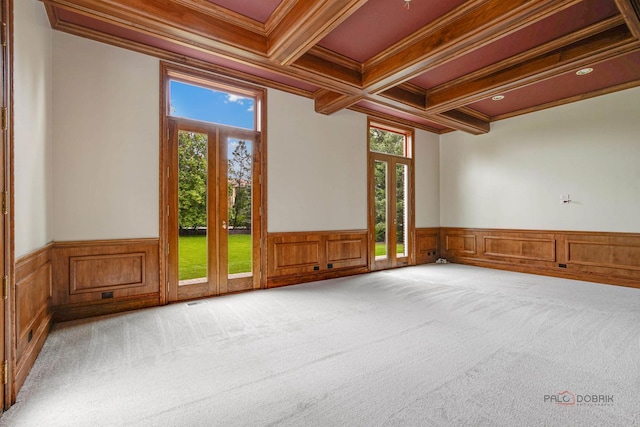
[{"x": 189, "y": 304}]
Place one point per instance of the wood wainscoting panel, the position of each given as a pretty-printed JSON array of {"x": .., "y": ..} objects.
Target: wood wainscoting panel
[
  {"x": 346, "y": 251},
  {"x": 528, "y": 248},
  {"x": 294, "y": 254},
  {"x": 297, "y": 257},
  {"x": 106, "y": 276},
  {"x": 612, "y": 258},
  {"x": 116, "y": 272},
  {"x": 33, "y": 315},
  {"x": 607, "y": 255},
  {"x": 427, "y": 245},
  {"x": 460, "y": 243}
]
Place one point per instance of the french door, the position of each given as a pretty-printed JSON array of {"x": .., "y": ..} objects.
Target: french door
[
  {"x": 214, "y": 209},
  {"x": 390, "y": 207}
]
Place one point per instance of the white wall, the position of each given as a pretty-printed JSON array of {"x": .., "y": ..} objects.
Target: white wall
[
  {"x": 317, "y": 167},
  {"x": 106, "y": 153},
  {"x": 513, "y": 177},
  {"x": 106, "y": 149},
  {"x": 427, "y": 164},
  {"x": 32, "y": 116}
]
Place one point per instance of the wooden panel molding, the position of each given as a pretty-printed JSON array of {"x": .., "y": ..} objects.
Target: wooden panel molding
[
  {"x": 299, "y": 257},
  {"x": 116, "y": 272},
  {"x": 609, "y": 255},
  {"x": 91, "y": 278},
  {"x": 520, "y": 247},
  {"x": 612, "y": 258},
  {"x": 33, "y": 315},
  {"x": 427, "y": 245},
  {"x": 630, "y": 9},
  {"x": 459, "y": 244}
]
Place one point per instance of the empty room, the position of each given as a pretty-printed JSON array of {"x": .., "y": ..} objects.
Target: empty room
[{"x": 320, "y": 212}]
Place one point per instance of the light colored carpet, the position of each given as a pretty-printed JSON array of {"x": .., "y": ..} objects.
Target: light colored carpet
[{"x": 433, "y": 345}]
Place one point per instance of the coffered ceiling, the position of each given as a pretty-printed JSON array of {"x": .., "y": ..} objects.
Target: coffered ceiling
[{"x": 436, "y": 65}]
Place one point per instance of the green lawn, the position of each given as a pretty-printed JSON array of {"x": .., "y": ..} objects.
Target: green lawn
[
  {"x": 381, "y": 249},
  {"x": 193, "y": 255}
]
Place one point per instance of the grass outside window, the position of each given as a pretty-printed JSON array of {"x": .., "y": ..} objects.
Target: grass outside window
[{"x": 193, "y": 255}]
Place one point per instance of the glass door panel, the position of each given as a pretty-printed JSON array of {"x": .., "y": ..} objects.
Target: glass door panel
[
  {"x": 237, "y": 169},
  {"x": 239, "y": 206},
  {"x": 192, "y": 207},
  {"x": 401, "y": 212},
  {"x": 380, "y": 178}
]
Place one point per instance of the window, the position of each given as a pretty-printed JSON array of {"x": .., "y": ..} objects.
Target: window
[{"x": 204, "y": 104}]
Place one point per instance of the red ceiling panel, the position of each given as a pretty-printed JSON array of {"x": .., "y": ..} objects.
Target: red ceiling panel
[
  {"x": 563, "y": 23},
  {"x": 613, "y": 72},
  {"x": 381, "y": 23},
  {"x": 259, "y": 10}
]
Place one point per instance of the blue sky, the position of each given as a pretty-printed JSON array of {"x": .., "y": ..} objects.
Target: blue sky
[{"x": 198, "y": 103}]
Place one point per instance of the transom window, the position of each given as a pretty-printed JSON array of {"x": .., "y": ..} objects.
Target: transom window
[
  {"x": 222, "y": 106},
  {"x": 385, "y": 140}
]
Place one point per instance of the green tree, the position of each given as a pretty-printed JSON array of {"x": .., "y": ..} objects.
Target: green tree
[
  {"x": 192, "y": 180},
  {"x": 239, "y": 172}
]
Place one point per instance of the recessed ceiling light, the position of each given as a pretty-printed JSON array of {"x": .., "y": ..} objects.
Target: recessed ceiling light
[
  {"x": 498, "y": 98},
  {"x": 584, "y": 71}
]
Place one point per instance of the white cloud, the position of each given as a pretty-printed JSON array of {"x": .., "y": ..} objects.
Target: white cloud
[
  {"x": 250, "y": 108},
  {"x": 235, "y": 98}
]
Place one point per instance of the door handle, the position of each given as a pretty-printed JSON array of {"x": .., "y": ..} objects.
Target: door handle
[{"x": 224, "y": 225}]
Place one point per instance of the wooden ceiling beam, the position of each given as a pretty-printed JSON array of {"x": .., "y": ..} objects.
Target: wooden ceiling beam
[
  {"x": 224, "y": 14},
  {"x": 411, "y": 98},
  {"x": 318, "y": 62},
  {"x": 468, "y": 28},
  {"x": 630, "y": 9},
  {"x": 388, "y": 117},
  {"x": 538, "y": 51},
  {"x": 407, "y": 94},
  {"x": 457, "y": 120},
  {"x": 173, "y": 20},
  {"x": 608, "y": 44},
  {"x": 343, "y": 79},
  {"x": 328, "y": 102},
  {"x": 306, "y": 23}
]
